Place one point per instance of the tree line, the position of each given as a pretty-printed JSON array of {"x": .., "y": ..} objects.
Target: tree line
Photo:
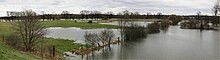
[{"x": 98, "y": 15}]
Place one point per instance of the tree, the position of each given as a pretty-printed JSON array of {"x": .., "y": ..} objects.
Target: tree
[
  {"x": 108, "y": 15},
  {"x": 43, "y": 15},
  {"x": 159, "y": 15},
  {"x": 135, "y": 15},
  {"x": 84, "y": 14},
  {"x": 90, "y": 38},
  {"x": 148, "y": 13},
  {"x": 174, "y": 19},
  {"x": 106, "y": 36},
  {"x": 65, "y": 14},
  {"x": 199, "y": 13},
  {"x": 97, "y": 14},
  {"x": 29, "y": 30},
  {"x": 216, "y": 9}
]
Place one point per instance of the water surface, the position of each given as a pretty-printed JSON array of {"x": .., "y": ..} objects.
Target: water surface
[{"x": 173, "y": 44}]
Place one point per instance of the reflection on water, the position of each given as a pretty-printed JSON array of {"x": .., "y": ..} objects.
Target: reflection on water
[{"x": 175, "y": 44}]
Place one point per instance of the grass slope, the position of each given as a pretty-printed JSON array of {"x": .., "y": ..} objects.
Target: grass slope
[{"x": 7, "y": 52}]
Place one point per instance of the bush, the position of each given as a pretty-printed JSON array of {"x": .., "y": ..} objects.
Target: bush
[
  {"x": 153, "y": 28},
  {"x": 135, "y": 32},
  {"x": 175, "y": 20},
  {"x": 14, "y": 41},
  {"x": 90, "y": 21}
]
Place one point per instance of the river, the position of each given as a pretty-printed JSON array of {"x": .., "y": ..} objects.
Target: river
[{"x": 173, "y": 44}]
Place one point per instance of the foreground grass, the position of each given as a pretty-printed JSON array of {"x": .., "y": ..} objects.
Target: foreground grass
[
  {"x": 7, "y": 52},
  {"x": 69, "y": 23}
]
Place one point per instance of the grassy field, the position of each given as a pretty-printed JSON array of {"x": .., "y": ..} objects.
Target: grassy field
[
  {"x": 69, "y": 23},
  {"x": 62, "y": 45},
  {"x": 144, "y": 20}
]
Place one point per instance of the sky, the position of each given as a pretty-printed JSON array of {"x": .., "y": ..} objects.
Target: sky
[{"x": 179, "y": 7}]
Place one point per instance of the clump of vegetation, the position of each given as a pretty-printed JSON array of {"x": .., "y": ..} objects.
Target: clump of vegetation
[
  {"x": 153, "y": 28},
  {"x": 134, "y": 32},
  {"x": 164, "y": 25},
  {"x": 90, "y": 21},
  {"x": 174, "y": 19}
]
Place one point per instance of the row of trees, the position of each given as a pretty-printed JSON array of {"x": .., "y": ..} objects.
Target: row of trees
[{"x": 84, "y": 14}]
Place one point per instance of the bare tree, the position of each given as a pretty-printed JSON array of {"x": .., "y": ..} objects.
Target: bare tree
[
  {"x": 65, "y": 14},
  {"x": 110, "y": 13},
  {"x": 30, "y": 30},
  {"x": 216, "y": 8},
  {"x": 43, "y": 15},
  {"x": 148, "y": 13},
  {"x": 84, "y": 14},
  {"x": 106, "y": 36},
  {"x": 159, "y": 15},
  {"x": 97, "y": 14},
  {"x": 90, "y": 38}
]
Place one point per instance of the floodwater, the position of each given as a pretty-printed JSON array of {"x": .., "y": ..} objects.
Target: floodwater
[{"x": 172, "y": 44}]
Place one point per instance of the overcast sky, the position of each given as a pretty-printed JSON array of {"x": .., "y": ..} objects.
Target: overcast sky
[{"x": 143, "y": 6}]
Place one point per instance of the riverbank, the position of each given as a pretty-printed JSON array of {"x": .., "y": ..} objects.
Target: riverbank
[{"x": 61, "y": 45}]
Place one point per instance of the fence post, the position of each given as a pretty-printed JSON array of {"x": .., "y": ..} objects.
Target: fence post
[
  {"x": 118, "y": 40},
  {"x": 3, "y": 38},
  {"x": 53, "y": 51}
]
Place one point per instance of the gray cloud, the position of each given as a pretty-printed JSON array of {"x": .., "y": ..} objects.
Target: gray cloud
[{"x": 142, "y": 6}]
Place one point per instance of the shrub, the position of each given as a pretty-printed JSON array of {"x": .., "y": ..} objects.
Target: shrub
[
  {"x": 90, "y": 21},
  {"x": 135, "y": 32},
  {"x": 153, "y": 28},
  {"x": 14, "y": 41}
]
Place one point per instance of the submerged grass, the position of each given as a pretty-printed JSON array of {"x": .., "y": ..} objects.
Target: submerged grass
[{"x": 63, "y": 45}]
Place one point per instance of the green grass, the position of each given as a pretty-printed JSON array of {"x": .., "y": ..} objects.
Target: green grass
[
  {"x": 84, "y": 25},
  {"x": 145, "y": 20},
  {"x": 63, "y": 45},
  {"x": 7, "y": 52}
]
